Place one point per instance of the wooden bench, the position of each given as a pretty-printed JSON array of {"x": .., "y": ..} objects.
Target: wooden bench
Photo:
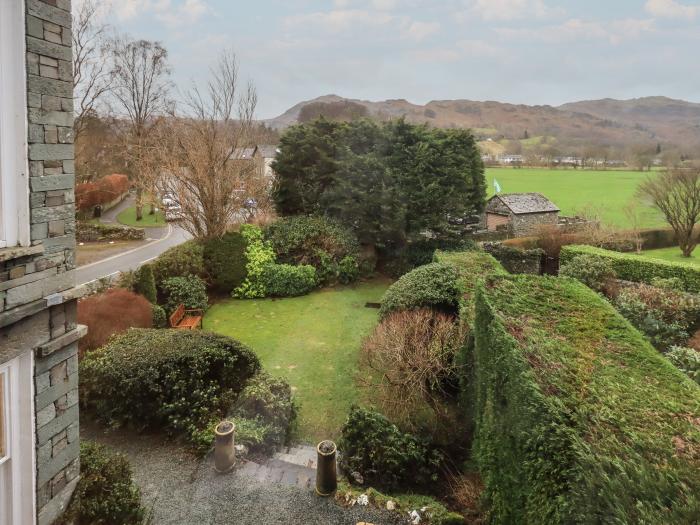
[{"x": 182, "y": 319}]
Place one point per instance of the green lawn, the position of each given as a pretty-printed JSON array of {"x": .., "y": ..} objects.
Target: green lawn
[
  {"x": 673, "y": 254},
  {"x": 128, "y": 217},
  {"x": 606, "y": 192},
  {"x": 313, "y": 341}
]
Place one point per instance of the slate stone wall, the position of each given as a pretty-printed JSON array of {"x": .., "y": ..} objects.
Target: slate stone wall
[{"x": 38, "y": 305}]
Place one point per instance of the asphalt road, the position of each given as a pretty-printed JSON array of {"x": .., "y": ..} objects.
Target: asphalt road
[{"x": 132, "y": 259}]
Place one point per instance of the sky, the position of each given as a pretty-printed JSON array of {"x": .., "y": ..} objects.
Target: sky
[{"x": 518, "y": 51}]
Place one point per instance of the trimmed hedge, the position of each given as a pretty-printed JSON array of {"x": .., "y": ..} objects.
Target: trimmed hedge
[
  {"x": 190, "y": 291},
  {"x": 578, "y": 418},
  {"x": 434, "y": 285},
  {"x": 181, "y": 260},
  {"x": 180, "y": 381},
  {"x": 516, "y": 260},
  {"x": 106, "y": 492},
  {"x": 285, "y": 280},
  {"x": 632, "y": 267},
  {"x": 225, "y": 261}
]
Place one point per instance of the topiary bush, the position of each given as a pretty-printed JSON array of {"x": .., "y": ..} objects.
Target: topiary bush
[
  {"x": 285, "y": 280},
  {"x": 687, "y": 360},
  {"x": 384, "y": 456},
  {"x": 145, "y": 283},
  {"x": 110, "y": 313},
  {"x": 264, "y": 413},
  {"x": 190, "y": 291},
  {"x": 181, "y": 260},
  {"x": 434, "y": 285},
  {"x": 225, "y": 261},
  {"x": 106, "y": 492},
  {"x": 179, "y": 381},
  {"x": 258, "y": 254},
  {"x": 594, "y": 272},
  {"x": 319, "y": 241}
]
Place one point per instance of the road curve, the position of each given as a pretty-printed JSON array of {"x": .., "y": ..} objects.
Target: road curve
[{"x": 132, "y": 259}]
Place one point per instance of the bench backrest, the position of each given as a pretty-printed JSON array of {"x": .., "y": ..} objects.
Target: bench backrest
[{"x": 177, "y": 316}]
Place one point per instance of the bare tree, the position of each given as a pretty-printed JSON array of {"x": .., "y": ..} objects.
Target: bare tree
[
  {"x": 205, "y": 154},
  {"x": 634, "y": 219},
  {"x": 92, "y": 72},
  {"x": 141, "y": 87},
  {"x": 677, "y": 194}
]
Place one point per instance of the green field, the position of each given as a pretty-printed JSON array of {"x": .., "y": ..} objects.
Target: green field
[
  {"x": 673, "y": 254},
  {"x": 313, "y": 341},
  {"x": 128, "y": 217},
  {"x": 605, "y": 193}
]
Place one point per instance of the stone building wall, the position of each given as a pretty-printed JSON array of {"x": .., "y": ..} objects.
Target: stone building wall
[
  {"x": 38, "y": 302},
  {"x": 526, "y": 224}
]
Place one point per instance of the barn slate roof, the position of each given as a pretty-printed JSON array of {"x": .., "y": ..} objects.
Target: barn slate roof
[
  {"x": 522, "y": 203},
  {"x": 267, "y": 151}
]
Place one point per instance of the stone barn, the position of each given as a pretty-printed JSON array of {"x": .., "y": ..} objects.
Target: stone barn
[{"x": 521, "y": 213}]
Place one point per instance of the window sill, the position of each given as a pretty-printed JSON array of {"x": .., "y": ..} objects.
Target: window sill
[{"x": 15, "y": 252}]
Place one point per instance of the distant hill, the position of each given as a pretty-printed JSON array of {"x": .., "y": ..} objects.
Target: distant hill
[{"x": 614, "y": 123}]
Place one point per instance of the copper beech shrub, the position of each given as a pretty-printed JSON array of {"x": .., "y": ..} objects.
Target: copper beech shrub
[{"x": 112, "y": 312}]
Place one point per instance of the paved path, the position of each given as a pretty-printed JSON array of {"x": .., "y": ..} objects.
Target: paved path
[
  {"x": 180, "y": 489},
  {"x": 132, "y": 259}
]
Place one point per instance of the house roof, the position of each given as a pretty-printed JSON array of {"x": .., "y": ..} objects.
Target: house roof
[
  {"x": 267, "y": 151},
  {"x": 242, "y": 154},
  {"x": 521, "y": 203}
]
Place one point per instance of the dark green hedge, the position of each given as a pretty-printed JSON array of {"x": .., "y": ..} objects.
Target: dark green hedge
[
  {"x": 184, "y": 259},
  {"x": 225, "y": 261},
  {"x": 578, "y": 418},
  {"x": 179, "y": 381},
  {"x": 434, "y": 285},
  {"x": 632, "y": 267}
]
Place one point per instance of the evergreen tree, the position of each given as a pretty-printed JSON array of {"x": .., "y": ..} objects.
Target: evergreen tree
[{"x": 146, "y": 284}]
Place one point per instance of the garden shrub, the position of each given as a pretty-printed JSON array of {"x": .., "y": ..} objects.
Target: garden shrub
[
  {"x": 419, "y": 253},
  {"x": 258, "y": 254},
  {"x": 265, "y": 413},
  {"x": 632, "y": 267},
  {"x": 592, "y": 271},
  {"x": 411, "y": 356},
  {"x": 225, "y": 261},
  {"x": 687, "y": 360},
  {"x": 181, "y": 260},
  {"x": 160, "y": 318},
  {"x": 666, "y": 317},
  {"x": 106, "y": 493},
  {"x": 145, "y": 283},
  {"x": 578, "y": 418},
  {"x": 434, "y": 285},
  {"x": 285, "y": 280},
  {"x": 190, "y": 291},
  {"x": 348, "y": 270},
  {"x": 668, "y": 283},
  {"x": 319, "y": 241},
  {"x": 384, "y": 456},
  {"x": 110, "y": 313},
  {"x": 179, "y": 381}
]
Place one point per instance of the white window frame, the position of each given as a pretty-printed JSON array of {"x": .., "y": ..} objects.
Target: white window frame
[
  {"x": 14, "y": 166},
  {"x": 18, "y": 467}
]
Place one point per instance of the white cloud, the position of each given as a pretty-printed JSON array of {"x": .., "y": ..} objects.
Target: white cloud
[
  {"x": 513, "y": 9},
  {"x": 460, "y": 50},
  {"x": 613, "y": 32},
  {"x": 420, "y": 30},
  {"x": 337, "y": 20},
  {"x": 671, "y": 9},
  {"x": 169, "y": 12}
]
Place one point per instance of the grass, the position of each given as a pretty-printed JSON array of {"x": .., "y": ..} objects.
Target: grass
[
  {"x": 672, "y": 254},
  {"x": 606, "y": 193},
  {"x": 128, "y": 217},
  {"x": 313, "y": 341}
]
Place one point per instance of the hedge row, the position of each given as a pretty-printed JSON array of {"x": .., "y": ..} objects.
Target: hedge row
[
  {"x": 632, "y": 267},
  {"x": 578, "y": 418}
]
